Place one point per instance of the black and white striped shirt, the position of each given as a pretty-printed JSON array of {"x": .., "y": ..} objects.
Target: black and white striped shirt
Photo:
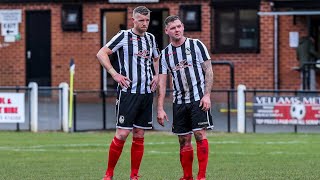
[
  {"x": 135, "y": 55},
  {"x": 184, "y": 64}
]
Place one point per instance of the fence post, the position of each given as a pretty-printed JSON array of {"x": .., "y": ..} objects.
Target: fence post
[
  {"x": 64, "y": 105},
  {"x": 241, "y": 108},
  {"x": 34, "y": 106}
]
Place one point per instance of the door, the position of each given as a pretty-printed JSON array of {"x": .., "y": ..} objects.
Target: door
[
  {"x": 316, "y": 32},
  {"x": 38, "y": 47},
  {"x": 156, "y": 27}
]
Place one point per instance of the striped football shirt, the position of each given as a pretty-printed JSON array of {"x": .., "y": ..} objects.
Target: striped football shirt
[
  {"x": 184, "y": 64},
  {"x": 135, "y": 55}
]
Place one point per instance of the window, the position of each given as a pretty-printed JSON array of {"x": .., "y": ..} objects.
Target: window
[
  {"x": 71, "y": 17},
  {"x": 191, "y": 17},
  {"x": 236, "y": 30}
]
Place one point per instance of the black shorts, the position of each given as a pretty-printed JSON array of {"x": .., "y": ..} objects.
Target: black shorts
[
  {"x": 134, "y": 110},
  {"x": 189, "y": 117}
]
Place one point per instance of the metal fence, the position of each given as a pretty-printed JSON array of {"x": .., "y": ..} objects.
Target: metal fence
[
  {"x": 49, "y": 109},
  {"x": 95, "y": 110}
]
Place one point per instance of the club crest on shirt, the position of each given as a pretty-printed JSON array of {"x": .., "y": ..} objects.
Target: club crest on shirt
[
  {"x": 181, "y": 65},
  {"x": 188, "y": 51}
]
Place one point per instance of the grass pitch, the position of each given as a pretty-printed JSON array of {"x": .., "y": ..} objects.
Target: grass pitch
[{"x": 59, "y": 156}]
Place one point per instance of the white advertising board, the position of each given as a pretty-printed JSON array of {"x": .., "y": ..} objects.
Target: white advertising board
[
  {"x": 11, "y": 15},
  {"x": 12, "y": 108}
]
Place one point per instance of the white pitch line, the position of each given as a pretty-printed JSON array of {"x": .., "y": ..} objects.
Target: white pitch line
[
  {"x": 150, "y": 143},
  {"x": 157, "y": 152},
  {"x": 282, "y": 142}
]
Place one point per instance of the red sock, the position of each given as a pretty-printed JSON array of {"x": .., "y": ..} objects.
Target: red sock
[
  {"x": 137, "y": 149},
  {"x": 114, "y": 154},
  {"x": 202, "y": 153},
  {"x": 186, "y": 160}
]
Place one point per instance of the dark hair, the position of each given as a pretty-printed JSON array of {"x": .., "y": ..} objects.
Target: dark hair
[
  {"x": 141, "y": 10},
  {"x": 170, "y": 19}
]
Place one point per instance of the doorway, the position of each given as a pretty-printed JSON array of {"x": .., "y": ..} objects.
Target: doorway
[
  {"x": 38, "y": 47},
  {"x": 113, "y": 22},
  {"x": 315, "y": 33}
]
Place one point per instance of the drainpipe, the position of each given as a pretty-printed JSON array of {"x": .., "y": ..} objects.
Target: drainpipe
[{"x": 276, "y": 52}]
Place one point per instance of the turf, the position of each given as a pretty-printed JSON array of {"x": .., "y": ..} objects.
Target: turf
[{"x": 57, "y": 156}]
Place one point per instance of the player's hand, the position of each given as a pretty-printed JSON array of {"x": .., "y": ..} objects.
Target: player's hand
[
  {"x": 123, "y": 81},
  {"x": 205, "y": 103},
  {"x": 154, "y": 83},
  {"x": 162, "y": 115}
]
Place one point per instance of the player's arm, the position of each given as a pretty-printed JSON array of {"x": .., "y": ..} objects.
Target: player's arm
[
  {"x": 206, "y": 101},
  {"x": 156, "y": 57},
  {"x": 155, "y": 79},
  {"x": 103, "y": 57},
  {"x": 161, "y": 115},
  {"x": 156, "y": 65}
]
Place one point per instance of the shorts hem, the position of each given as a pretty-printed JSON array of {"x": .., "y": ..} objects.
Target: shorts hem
[
  {"x": 140, "y": 127},
  {"x": 206, "y": 128},
  {"x": 181, "y": 134},
  {"x": 120, "y": 127}
]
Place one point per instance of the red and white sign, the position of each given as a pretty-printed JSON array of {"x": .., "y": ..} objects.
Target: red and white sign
[
  {"x": 287, "y": 110},
  {"x": 12, "y": 108}
]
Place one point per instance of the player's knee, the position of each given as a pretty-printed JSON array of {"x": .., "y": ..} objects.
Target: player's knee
[
  {"x": 185, "y": 140},
  {"x": 122, "y": 134},
  {"x": 200, "y": 135},
  {"x": 138, "y": 133}
]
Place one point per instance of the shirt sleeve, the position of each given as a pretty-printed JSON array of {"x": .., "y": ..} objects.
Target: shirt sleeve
[
  {"x": 163, "y": 67},
  {"x": 155, "y": 50},
  {"x": 116, "y": 42},
  {"x": 202, "y": 52}
]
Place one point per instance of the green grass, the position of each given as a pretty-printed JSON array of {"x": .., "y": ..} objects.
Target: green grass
[{"x": 57, "y": 156}]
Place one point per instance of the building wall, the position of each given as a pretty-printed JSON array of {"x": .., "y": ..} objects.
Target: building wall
[
  {"x": 255, "y": 70},
  {"x": 290, "y": 79}
]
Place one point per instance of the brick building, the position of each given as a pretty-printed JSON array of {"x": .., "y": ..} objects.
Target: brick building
[{"x": 252, "y": 34}]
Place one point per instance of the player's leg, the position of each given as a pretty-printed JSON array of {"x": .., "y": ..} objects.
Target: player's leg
[
  {"x": 182, "y": 127},
  {"x": 124, "y": 114},
  {"x": 137, "y": 150},
  {"x": 143, "y": 120},
  {"x": 186, "y": 155},
  {"x": 201, "y": 121},
  {"x": 115, "y": 149},
  {"x": 202, "y": 152}
]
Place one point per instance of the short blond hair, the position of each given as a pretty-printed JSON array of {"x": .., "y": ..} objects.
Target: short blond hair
[{"x": 141, "y": 10}]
